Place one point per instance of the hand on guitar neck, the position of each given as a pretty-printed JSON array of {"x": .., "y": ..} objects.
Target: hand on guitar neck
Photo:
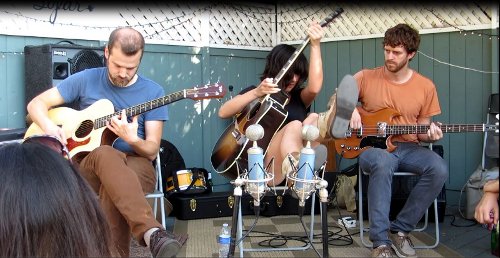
[{"x": 378, "y": 129}]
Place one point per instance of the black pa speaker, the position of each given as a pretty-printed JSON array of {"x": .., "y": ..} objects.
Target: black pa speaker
[{"x": 47, "y": 65}]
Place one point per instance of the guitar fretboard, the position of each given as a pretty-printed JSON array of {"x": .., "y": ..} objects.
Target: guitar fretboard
[
  {"x": 422, "y": 129},
  {"x": 142, "y": 108}
]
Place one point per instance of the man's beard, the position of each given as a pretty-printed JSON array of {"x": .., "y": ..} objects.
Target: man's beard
[
  {"x": 395, "y": 69},
  {"x": 118, "y": 81}
]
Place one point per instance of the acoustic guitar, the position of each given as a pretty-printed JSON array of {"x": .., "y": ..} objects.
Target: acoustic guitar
[
  {"x": 229, "y": 153},
  {"x": 87, "y": 130},
  {"x": 378, "y": 129}
]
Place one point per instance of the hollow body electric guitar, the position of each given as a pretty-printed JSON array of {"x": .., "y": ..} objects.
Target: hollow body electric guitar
[
  {"x": 378, "y": 129},
  {"x": 87, "y": 130},
  {"x": 268, "y": 111}
]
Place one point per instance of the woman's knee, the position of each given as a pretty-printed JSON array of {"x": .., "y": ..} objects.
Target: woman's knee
[{"x": 293, "y": 126}]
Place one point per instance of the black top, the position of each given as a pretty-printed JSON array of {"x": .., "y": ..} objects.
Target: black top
[{"x": 296, "y": 108}]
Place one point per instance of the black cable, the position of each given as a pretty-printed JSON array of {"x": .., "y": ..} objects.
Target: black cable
[
  {"x": 257, "y": 212},
  {"x": 348, "y": 237}
]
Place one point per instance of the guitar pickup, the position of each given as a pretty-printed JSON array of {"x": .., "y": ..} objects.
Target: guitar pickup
[{"x": 381, "y": 129}]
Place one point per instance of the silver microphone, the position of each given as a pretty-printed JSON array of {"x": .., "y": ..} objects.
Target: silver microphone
[
  {"x": 304, "y": 183},
  {"x": 256, "y": 172}
]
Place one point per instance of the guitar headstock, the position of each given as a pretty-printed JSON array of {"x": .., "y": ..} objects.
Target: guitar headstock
[
  {"x": 209, "y": 91},
  {"x": 331, "y": 17}
]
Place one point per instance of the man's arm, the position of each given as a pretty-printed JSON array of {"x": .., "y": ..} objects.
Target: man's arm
[
  {"x": 38, "y": 109},
  {"x": 148, "y": 147},
  {"x": 488, "y": 204}
]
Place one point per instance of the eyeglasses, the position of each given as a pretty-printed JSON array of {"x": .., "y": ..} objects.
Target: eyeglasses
[{"x": 51, "y": 142}]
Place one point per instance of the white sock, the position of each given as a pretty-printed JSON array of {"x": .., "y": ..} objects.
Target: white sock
[{"x": 147, "y": 235}]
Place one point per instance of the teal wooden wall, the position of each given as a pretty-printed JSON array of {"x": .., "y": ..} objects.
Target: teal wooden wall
[{"x": 194, "y": 126}]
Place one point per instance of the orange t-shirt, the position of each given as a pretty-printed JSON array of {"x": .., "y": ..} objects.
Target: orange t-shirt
[{"x": 414, "y": 99}]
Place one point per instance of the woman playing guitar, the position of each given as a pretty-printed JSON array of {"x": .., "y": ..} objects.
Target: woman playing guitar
[{"x": 297, "y": 102}]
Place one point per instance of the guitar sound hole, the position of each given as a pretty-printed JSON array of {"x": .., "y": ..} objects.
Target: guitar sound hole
[{"x": 84, "y": 129}]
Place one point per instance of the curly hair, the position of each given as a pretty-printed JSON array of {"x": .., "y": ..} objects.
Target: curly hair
[{"x": 402, "y": 35}]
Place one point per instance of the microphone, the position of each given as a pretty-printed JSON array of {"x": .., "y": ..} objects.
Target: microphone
[
  {"x": 305, "y": 174},
  {"x": 256, "y": 173}
]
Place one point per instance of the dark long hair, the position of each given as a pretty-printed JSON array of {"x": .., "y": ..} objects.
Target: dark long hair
[
  {"x": 46, "y": 207},
  {"x": 276, "y": 60}
]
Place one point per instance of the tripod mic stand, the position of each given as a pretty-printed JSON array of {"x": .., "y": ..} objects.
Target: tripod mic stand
[
  {"x": 255, "y": 180},
  {"x": 306, "y": 181}
]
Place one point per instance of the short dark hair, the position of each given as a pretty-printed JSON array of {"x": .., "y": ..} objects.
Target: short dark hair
[
  {"x": 276, "y": 60},
  {"x": 402, "y": 35},
  {"x": 47, "y": 209},
  {"x": 130, "y": 40}
]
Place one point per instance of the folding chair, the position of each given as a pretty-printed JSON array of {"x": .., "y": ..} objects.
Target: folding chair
[
  {"x": 426, "y": 217},
  {"x": 157, "y": 194}
]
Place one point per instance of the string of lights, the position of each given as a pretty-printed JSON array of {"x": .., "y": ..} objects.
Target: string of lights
[
  {"x": 456, "y": 66},
  {"x": 3, "y": 54},
  {"x": 460, "y": 30},
  {"x": 253, "y": 14}
]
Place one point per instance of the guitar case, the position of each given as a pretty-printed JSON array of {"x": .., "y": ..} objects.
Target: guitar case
[
  {"x": 220, "y": 204},
  {"x": 203, "y": 205},
  {"x": 278, "y": 204}
]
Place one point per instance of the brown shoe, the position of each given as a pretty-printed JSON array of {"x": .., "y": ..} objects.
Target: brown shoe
[
  {"x": 334, "y": 123},
  {"x": 166, "y": 244},
  {"x": 382, "y": 251}
]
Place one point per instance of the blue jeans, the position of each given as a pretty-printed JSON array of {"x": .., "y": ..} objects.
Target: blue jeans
[{"x": 381, "y": 165}]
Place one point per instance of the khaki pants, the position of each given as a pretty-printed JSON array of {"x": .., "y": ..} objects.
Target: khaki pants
[{"x": 121, "y": 180}]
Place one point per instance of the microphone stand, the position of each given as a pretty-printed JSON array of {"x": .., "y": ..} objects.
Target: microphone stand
[
  {"x": 304, "y": 185},
  {"x": 323, "y": 198},
  {"x": 238, "y": 182},
  {"x": 255, "y": 180}
]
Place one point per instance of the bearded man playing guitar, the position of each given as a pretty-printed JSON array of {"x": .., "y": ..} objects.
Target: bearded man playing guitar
[
  {"x": 414, "y": 96},
  {"x": 123, "y": 172},
  {"x": 287, "y": 139}
]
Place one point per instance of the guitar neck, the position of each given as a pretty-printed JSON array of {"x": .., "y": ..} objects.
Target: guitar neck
[
  {"x": 449, "y": 128},
  {"x": 142, "y": 108},
  {"x": 299, "y": 50}
]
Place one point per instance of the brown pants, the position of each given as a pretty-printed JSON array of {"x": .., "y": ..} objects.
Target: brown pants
[{"x": 121, "y": 180}]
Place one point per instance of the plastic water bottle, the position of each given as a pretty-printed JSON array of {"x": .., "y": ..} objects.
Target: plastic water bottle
[{"x": 224, "y": 241}]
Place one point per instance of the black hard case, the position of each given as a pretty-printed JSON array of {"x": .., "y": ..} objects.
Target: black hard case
[{"x": 220, "y": 204}]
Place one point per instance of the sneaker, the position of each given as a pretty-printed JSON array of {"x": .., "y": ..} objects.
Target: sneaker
[
  {"x": 166, "y": 244},
  {"x": 382, "y": 251},
  {"x": 402, "y": 245},
  {"x": 335, "y": 121}
]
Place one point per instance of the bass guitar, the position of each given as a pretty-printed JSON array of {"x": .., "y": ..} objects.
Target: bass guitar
[
  {"x": 228, "y": 153},
  {"x": 378, "y": 129},
  {"x": 87, "y": 130}
]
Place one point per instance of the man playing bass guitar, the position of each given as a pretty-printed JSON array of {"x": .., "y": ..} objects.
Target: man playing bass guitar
[
  {"x": 394, "y": 85},
  {"x": 288, "y": 138}
]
